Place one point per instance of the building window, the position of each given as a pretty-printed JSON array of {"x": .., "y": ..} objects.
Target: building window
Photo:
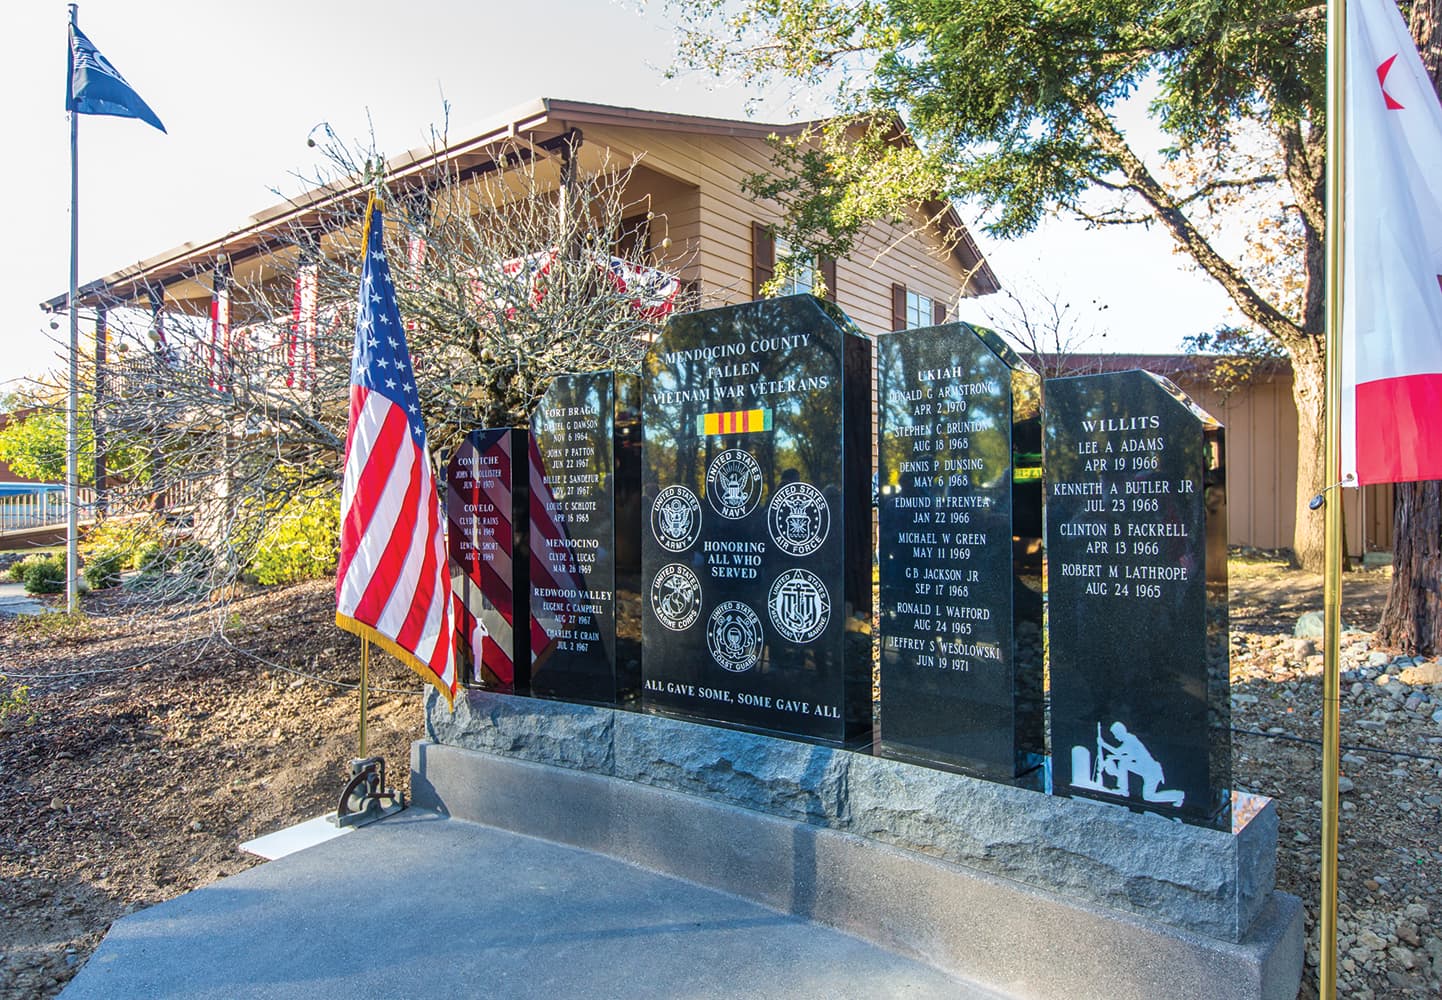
[
  {"x": 919, "y": 310},
  {"x": 801, "y": 277}
]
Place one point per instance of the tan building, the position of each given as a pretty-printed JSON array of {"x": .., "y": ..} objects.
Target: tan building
[
  {"x": 688, "y": 178},
  {"x": 1261, "y": 451}
]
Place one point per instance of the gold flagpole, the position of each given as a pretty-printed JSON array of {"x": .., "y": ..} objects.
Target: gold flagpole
[
  {"x": 364, "y": 687},
  {"x": 371, "y": 203},
  {"x": 1332, "y": 580}
]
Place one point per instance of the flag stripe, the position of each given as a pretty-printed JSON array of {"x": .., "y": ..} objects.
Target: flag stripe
[
  {"x": 379, "y": 432},
  {"x": 397, "y": 547},
  {"x": 1398, "y": 441},
  {"x": 410, "y": 628}
]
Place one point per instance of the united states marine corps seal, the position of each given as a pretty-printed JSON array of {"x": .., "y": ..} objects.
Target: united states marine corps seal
[
  {"x": 798, "y": 518},
  {"x": 735, "y": 636},
  {"x": 676, "y": 518},
  {"x": 676, "y": 596},
  {"x": 733, "y": 483},
  {"x": 799, "y": 604}
]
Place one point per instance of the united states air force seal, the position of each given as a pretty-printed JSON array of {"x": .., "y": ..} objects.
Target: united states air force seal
[
  {"x": 733, "y": 483},
  {"x": 676, "y": 518},
  {"x": 735, "y": 636},
  {"x": 798, "y": 518},
  {"x": 676, "y": 596},
  {"x": 799, "y": 604}
]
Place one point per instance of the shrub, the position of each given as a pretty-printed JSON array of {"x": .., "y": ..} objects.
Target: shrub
[
  {"x": 15, "y": 701},
  {"x": 188, "y": 559},
  {"x": 151, "y": 558},
  {"x": 128, "y": 536},
  {"x": 102, "y": 569},
  {"x": 15, "y": 572},
  {"x": 191, "y": 558},
  {"x": 45, "y": 574},
  {"x": 300, "y": 541}
]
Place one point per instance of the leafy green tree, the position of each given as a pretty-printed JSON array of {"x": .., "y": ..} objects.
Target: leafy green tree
[
  {"x": 1017, "y": 107},
  {"x": 34, "y": 445}
]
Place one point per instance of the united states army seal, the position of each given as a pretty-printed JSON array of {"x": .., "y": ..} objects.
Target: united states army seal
[
  {"x": 734, "y": 636},
  {"x": 799, "y": 518},
  {"x": 676, "y": 518},
  {"x": 676, "y": 596}
]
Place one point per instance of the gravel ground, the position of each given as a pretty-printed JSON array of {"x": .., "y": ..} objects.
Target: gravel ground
[{"x": 1389, "y": 901}]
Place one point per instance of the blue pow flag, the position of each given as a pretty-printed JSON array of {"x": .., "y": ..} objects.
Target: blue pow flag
[{"x": 94, "y": 87}]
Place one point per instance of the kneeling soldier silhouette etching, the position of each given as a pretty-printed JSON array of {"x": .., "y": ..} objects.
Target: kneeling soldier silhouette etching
[{"x": 1118, "y": 762}]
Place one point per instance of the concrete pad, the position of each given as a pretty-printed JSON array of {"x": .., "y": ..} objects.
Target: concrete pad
[
  {"x": 282, "y": 843},
  {"x": 16, "y": 601},
  {"x": 1015, "y": 939},
  {"x": 419, "y": 905}
]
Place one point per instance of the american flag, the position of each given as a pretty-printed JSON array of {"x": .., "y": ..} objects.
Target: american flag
[
  {"x": 393, "y": 586},
  {"x": 652, "y": 291}
]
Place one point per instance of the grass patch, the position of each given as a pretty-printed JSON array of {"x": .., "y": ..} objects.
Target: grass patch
[{"x": 63, "y": 626}]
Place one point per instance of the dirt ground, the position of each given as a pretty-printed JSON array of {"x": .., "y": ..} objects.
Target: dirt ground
[
  {"x": 154, "y": 753},
  {"x": 148, "y": 752}
]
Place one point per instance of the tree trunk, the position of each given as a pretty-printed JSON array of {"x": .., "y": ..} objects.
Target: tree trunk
[
  {"x": 1412, "y": 618},
  {"x": 1413, "y": 614},
  {"x": 1309, "y": 392}
]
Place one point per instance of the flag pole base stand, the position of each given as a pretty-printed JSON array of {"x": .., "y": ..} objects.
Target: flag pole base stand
[{"x": 365, "y": 797}]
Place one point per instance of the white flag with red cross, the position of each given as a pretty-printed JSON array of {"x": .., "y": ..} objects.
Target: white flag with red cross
[{"x": 1392, "y": 300}]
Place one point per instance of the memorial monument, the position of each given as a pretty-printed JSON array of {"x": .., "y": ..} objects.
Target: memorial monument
[
  {"x": 585, "y": 530},
  {"x": 959, "y": 495},
  {"x": 1137, "y": 596},
  {"x": 487, "y": 503},
  {"x": 757, "y": 543}
]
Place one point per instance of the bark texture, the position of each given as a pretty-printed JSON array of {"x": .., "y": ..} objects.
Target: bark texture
[{"x": 1412, "y": 618}]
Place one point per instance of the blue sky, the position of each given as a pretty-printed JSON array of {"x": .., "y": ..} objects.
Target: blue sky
[{"x": 239, "y": 86}]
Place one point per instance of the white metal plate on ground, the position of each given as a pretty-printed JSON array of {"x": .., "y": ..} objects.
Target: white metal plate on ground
[{"x": 294, "y": 838}]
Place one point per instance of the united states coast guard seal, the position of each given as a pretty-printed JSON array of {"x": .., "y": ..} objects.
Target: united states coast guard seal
[
  {"x": 676, "y": 518},
  {"x": 676, "y": 596},
  {"x": 735, "y": 636},
  {"x": 798, "y": 518},
  {"x": 733, "y": 483},
  {"x": 799, "y": 604}
]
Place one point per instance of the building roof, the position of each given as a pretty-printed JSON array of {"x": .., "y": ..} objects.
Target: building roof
[
  {"x": 1174, "y": 366},
  {"x": 543, "y": 124}
]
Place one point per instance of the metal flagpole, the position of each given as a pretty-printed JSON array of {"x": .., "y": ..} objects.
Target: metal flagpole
[
  {"x": 364, "y": 689},
  {"x": 72, "y": 413},
  {"x": 1332, "y": 437}
]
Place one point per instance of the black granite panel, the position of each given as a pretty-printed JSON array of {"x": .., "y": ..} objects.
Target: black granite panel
[
  {"x": 628, "y": 524},
  {"x": 487, "y": 500},
  {"x": 959, "y": 493},
  {"x": 757, "y": 557},
  {"x": 574, "y": 552},
  {"x": 1137, "y": 603}
]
